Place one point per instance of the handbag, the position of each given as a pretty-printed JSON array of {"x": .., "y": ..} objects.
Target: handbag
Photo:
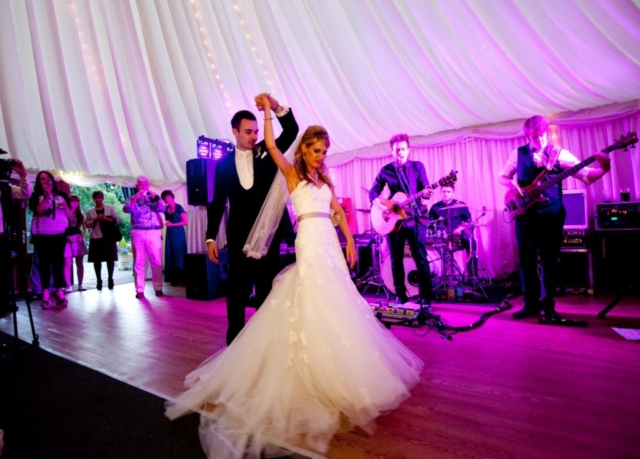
[{"x": 111, "y": 232}]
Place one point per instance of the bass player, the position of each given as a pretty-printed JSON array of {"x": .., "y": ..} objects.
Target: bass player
[
  {"x": 539, "y": 228},
  {"x": 408, "y": 177}
]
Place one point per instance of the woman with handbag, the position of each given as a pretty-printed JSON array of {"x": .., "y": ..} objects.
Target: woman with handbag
[
  {"x": 103, "y": 221},
  {"x": 75, "y": 249}
]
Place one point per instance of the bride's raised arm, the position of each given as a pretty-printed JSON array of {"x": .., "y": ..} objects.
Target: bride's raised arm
[{"x": 263, "y": 104}]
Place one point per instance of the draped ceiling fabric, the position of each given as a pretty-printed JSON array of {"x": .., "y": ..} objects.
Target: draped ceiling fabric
[
  {"x": 105, "y": 90},
  {"x": 116, "y": 88}
]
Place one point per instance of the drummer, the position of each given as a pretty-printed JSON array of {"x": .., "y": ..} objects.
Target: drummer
[{"x": 453, "y": 217}]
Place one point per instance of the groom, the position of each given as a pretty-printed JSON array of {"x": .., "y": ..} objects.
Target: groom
[{"x": 243, "y": 179}]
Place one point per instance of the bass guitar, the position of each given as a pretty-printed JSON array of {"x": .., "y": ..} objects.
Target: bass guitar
[
  {"x": 389, "y": 219},
  {"x": 519, "y": 200}
]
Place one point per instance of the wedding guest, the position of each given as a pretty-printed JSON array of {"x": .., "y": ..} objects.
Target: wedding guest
[
  {"x": 75, "y": 248},
  {"x": 145, "y": 208},
  {"x": 51, "y": 214},
  {"x": 102, "y": 249},
  {"x": 175, "y": 245}
]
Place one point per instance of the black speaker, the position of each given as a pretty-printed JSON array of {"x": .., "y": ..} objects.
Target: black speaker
[
  {"x": 576, "y": 269},
  {"x": 206, "y": 280},
  {"x": 616, "y": 255},
  {"x": 201, "y": 175}
]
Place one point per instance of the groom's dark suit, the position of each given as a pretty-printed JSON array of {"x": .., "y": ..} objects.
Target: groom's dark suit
[{"x": 244, "y": 206}]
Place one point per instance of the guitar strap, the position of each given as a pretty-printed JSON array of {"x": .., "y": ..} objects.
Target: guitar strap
[{"x": 553, "y": 156}]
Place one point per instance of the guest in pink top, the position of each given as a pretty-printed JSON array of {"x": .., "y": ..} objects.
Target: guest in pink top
[{"x": 51, "y": 213}]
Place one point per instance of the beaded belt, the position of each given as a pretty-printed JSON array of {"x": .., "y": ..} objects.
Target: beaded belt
[{"x": 313, "y": 215}]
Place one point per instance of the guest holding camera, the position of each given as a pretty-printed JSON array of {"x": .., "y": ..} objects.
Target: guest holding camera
[
  {"x": 145, "y": 208},
  {"x": 22, "y": 191},
  {"x": 101, "y": 248},
  {"x": 51, "y": 213}
]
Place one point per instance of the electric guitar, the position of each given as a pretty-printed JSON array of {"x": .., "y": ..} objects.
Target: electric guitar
[
  {"x": 518, "y": 201},
  {"x": 390, "y": 219}
]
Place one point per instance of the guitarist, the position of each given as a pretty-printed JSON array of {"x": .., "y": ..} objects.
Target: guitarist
[
  {"x": 539, "y": 230},
  {"x": 408, "y": 177}
]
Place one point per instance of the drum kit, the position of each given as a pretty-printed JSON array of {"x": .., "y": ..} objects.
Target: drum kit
[{"x": 442, "y": 249}]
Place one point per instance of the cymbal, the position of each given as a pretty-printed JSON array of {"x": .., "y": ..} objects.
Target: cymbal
[
  {"x": 366, "y": 211},
  {"x": 454, "y": 206}
]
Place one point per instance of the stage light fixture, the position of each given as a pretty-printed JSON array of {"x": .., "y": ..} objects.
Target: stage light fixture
[{"x": 213, "y": 148}]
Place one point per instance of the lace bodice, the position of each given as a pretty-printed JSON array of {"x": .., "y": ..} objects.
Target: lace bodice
[{"x": 307, "y": 198}]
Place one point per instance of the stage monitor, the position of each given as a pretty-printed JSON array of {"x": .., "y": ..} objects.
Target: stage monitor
[{"x": 575, "y": 202}]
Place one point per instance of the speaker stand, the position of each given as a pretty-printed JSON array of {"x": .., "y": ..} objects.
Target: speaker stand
[{"x": 602, "y": 314}]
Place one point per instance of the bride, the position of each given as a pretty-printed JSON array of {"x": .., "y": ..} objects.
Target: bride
[{"x": 313, "y": 358}]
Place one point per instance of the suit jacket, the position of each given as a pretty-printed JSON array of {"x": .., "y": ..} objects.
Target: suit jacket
[{"x": 244, "y": 205}]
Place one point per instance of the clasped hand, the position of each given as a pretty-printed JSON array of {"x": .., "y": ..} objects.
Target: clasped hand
[{"x": 264, "y": 101}]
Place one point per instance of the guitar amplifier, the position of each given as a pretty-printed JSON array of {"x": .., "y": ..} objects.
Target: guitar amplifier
[
  {"x": 620, "y": 216},
  {"x": 574, "y": 238},
  {"x": 576, "y": 269}
]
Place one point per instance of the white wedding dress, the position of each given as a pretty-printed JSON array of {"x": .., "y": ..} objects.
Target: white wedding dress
[{"x": 311, "y": 358}]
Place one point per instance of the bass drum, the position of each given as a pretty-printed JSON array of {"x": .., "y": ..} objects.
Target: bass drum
[{"x": 411, "y": 277}]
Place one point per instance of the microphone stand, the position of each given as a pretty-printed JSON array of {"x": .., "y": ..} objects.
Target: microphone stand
[{"x": 425, "y": 315}]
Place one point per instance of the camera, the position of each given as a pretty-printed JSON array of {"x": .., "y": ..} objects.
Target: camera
[
  {"x": 154, "y": 198},
  {"x": 6, "y": 168}
]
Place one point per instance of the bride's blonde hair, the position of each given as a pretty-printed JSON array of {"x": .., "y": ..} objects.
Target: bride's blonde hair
[{"x": 311, "y": 136}]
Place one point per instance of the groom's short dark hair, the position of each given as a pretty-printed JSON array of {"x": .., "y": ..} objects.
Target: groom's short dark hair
[{"x": 242, "y": 115}]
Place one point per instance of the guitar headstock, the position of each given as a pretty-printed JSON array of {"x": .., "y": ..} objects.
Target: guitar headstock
[
  {"x": 624, "y": 142},
  {"x": 448, "y": 180}
]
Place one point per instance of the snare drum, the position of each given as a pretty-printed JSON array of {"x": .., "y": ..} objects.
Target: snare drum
[{"x": 436, "y": 236}]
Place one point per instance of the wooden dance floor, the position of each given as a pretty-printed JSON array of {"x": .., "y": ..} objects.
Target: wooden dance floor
[{"x": 507, "y": 389}]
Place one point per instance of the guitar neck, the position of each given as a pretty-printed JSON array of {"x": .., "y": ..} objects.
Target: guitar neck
[
  {"x": 418, "y": 195},
  {"x": 545, "y": 185}
]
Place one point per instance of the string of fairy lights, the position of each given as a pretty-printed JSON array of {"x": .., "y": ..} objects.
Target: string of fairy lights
[
  {"x": 253, "y": 46},
  {"x": 91, "y": 63},
  {"x": 211, "y": 56}
]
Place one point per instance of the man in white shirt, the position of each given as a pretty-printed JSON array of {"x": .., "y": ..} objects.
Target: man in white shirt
[
  {"x": 539, "y": 227},
  {"x": 243, "y": 181}
]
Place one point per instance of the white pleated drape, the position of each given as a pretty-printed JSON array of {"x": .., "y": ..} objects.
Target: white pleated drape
[
  {"x": 106, "y": 90},
  {"x": 110, "y": 89}
]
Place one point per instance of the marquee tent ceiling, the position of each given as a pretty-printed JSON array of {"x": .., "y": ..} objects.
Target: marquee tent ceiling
[{"x": 123, "y": 87}]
